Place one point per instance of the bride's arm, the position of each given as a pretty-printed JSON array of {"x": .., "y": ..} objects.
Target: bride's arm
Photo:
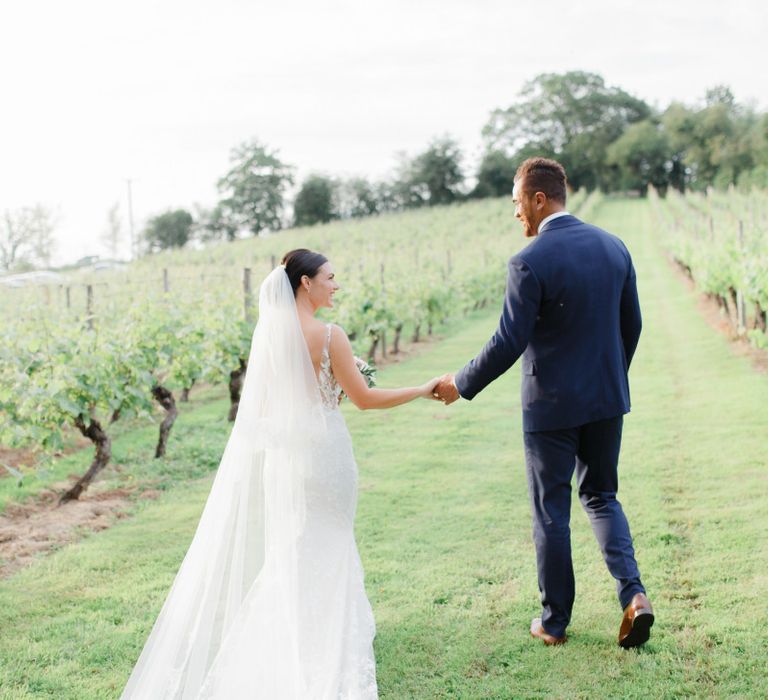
[{"x": 354, "y": 385}]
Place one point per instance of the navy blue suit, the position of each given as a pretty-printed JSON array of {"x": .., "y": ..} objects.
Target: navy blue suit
[{"x": 571, "y": 310}]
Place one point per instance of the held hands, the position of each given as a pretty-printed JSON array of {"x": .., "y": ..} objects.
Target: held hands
[
  {"x": 445, "y": 390},
  {"x": 440, "y": 389},
  {"x": 426, "y": 391}
]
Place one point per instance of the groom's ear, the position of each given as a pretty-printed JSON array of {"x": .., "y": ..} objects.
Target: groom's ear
[{"x": 540, "y": 200}]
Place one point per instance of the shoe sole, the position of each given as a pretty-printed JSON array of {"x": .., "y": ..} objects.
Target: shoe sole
[{"x": 640, "y": 632}]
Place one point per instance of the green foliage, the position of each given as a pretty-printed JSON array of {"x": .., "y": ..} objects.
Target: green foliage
[
  {"x": 216, "y": 224},
  {"x": 253, "y": 189},
  {"x": 495, "y": 175},
  {"x": 49, "y": 381},
  {"x": 573, "y": 117},
  {"x": 436, "y": 174},
  {"x": 227, "y": 342},
  {"x": 641, "y": 155},
  {"x": 719, "y": 238},
  {"x": 316, "y": 201},
  {"x": 717, "y": 143},
  {"x": 173, "y": 340},
  {"x": 608, "y": 139},
  {"x": 756, "y": 178},
  {"x": 169, "y": 230},
  {"x": 416, "y": 270},
  {"x": 358, "y": 198},
  {"x": 54, "y": 373}
]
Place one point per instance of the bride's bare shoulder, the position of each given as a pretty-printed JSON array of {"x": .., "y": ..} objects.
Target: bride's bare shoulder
[
  {"x": 337, "y": 330},
  {"x": 339, "y": 337},
  {"x": 313, "y": 326}
]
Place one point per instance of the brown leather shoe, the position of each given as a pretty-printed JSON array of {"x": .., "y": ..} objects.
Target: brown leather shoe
[
  {"x": 537, "y": 630},
  {"x": 637, "y": 622}
]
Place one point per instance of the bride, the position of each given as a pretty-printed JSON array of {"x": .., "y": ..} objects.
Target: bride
[{"x": 269, "y": 600}]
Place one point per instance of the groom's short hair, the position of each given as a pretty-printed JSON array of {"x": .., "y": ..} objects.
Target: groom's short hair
[{"x": 543, "y": 175}]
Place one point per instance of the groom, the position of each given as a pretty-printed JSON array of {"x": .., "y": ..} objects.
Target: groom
[{"x": 571, "y": 310}]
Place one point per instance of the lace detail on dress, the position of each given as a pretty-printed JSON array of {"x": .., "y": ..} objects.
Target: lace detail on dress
[{"x": 329, "y": 387}]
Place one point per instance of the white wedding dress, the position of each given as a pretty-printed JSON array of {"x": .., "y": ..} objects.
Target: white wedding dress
[{"x": 269, "y": 602}]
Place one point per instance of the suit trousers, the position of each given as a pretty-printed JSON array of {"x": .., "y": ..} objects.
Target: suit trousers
[{"x": 552, "y": 456}]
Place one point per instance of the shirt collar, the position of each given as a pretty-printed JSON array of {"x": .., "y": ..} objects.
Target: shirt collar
[{"x": 551, "y": 217}]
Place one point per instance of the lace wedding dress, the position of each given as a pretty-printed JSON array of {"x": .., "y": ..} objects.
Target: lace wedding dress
[{"x": 269, "y": 602}]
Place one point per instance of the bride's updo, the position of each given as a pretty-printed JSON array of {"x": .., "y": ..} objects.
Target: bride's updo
[{"x": 302, "y": 262}]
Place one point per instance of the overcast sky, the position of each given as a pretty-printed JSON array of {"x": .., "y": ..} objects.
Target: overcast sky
[{"x": 94, "y": 92}]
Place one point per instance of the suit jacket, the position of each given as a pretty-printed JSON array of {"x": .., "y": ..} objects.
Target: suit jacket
[{"x": 571, "y": 310}]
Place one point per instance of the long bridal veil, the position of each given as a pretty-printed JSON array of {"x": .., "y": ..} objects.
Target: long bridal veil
[{"x": 247, "y": 535}]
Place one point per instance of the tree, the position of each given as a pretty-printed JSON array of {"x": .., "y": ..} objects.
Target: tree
[
  {"x": 495, "y": 176},
  {"x": 315, "y": 202},
  {"x": 14, "y": 248},
  {"x": 254, "y": 190},
  {"x": 711, "y": 126},
  {"x": 26, "y": 238},
  {"x": 732, "y": 149},
  {"x": 437, "y": 172},
  {"x": 215, "y": 224},
  {"x": 169, "y": 230},
  {"x": 714, "y": 143},
  {"x": 357, "y": 198},
  {"x": 758, "y": 143},
  {"x": 41, "y": 225},
  {"x": 573, "y": 117},
  {"x": 113, "y": 234},
  {"x": 642, "y": 157},
  {"x": 403, "y": 191},
  {"x": 759, "y": 139},
  {"x": 677, "y": 122},
  {"x": 388, "y": 195}
]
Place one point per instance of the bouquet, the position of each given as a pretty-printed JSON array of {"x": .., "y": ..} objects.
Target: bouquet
[{"x": 368, "y": 372}]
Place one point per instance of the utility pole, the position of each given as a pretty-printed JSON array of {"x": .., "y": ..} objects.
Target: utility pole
[{"x": 134, "y": 246}]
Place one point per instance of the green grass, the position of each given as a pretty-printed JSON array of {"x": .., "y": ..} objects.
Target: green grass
[{"x": 444, "y": 532}]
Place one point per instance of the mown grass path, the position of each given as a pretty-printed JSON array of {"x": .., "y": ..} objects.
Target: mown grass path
[{"x": 444, "y": 531}]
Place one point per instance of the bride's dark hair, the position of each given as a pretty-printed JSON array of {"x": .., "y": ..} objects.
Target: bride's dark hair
[{"x": 302, "y": 262}]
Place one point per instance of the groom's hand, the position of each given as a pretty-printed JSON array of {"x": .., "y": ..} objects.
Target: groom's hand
[{"x": 446, "y": 390}]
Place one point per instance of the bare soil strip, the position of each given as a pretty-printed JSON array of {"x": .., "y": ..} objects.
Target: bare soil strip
[{"x": 39, "y": 525}]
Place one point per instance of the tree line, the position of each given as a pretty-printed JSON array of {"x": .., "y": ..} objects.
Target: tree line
[
  {"x": 254, "y": 195},
  {"x": 606, "y": 138}
]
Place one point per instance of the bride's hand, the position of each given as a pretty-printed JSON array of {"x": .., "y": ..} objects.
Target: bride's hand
[{"x": 425, "y": 390}]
